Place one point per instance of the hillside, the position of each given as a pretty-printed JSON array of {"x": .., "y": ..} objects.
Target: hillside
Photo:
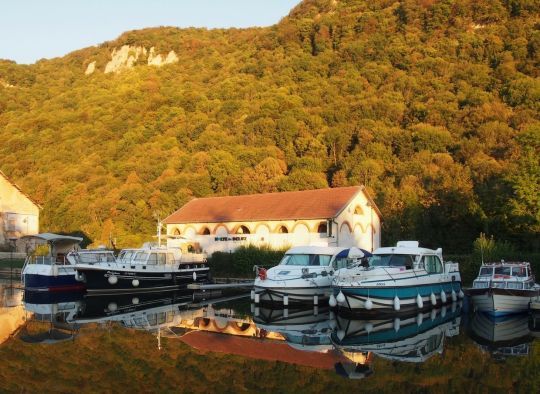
[{"x": 434, "y": 105}]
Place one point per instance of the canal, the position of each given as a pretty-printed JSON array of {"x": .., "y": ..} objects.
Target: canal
[{"x": 219, "y": 342}]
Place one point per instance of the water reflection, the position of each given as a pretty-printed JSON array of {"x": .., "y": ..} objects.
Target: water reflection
[
  {"x": 213, "y": 322},
  {"x": 502, "y": 336},
  {"x": 413, "y": 338}
]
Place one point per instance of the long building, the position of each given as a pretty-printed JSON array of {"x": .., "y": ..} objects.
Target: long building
[
  {"x": 344, "y": 216},
  {"x": 19, "y": 214}
]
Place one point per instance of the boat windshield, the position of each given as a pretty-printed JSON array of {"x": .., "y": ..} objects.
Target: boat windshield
[
  {"x": 306, "y": 259},
  {"x": 140, "y": 257},
  {"x": 486, "y": 271},
  {"x": 391, "y": 260}
]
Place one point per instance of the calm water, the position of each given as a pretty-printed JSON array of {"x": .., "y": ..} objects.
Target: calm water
[{"x": 180, "y": 342}]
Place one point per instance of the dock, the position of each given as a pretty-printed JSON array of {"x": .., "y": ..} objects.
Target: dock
[{"x": 241, "y": 284}]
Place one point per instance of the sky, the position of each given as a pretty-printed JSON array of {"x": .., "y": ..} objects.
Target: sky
[{"x": 34, "y": 29}]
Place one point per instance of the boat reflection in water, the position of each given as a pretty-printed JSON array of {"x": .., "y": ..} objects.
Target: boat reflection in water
[
  {"x": 414, "y": 338},
  {"x": 12, "y": 313},
  {"x": 306, "y": 329},
  {"x": 502, "y": 336}
]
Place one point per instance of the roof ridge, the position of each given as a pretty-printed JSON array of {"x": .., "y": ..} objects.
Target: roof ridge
[{"x": 19, "y": 189}]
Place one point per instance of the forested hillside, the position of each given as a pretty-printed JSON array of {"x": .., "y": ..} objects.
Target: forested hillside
[{"x": 433, "y": 105}]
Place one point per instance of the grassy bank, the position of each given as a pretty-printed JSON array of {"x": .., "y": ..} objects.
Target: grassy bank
[{"x": 7, "y": 263}]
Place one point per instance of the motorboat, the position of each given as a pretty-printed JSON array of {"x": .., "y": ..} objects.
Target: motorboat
[
  {"x": 504, "y": 288},
  {"x": 401, "y": 278},
  {"x": 142, "y": 270},
  {"x": 49, "y": 268},
  {"x": 304, "y": 275}
]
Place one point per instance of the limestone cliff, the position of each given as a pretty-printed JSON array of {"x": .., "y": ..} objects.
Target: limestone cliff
[{"x": 128, "y": 56}]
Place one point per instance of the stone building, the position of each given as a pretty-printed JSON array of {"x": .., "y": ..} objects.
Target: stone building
[
  {"x": 344, "y": 216},
  {"x": 19, "y": 214}
]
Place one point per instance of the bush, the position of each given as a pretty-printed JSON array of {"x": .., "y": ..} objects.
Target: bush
[{"x": 240, "y": 263}]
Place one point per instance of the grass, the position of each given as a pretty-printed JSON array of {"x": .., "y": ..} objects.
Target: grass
[{"x": 6, "y": 263}]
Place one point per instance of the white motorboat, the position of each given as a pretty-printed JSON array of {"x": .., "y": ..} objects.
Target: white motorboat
[
  {"x": 143, "y": 270},
  {"x": 504, "y": 288},
  {"x": 401, "y": 278},
  {"x": 304, "y": 275}
]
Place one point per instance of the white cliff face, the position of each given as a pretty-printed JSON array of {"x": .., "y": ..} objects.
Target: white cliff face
[
  {"x": 91, "y": 68},
  {"x": 127, "y": 56}
]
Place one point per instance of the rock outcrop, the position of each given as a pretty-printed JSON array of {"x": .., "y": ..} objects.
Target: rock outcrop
[{"x": 128, "y": 56}]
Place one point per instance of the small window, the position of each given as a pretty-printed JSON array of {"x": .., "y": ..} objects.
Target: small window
[
  {"x": 205, "y": 231},
  {"x": 177, "y": 232},
  {"x": 358, "y": 210},
  {"x": 170, "y": 258},
  {"x": 433, "y": 265},
  {"x": 162, "y": 258},
  {"x": 152, "y": 259},
  {"x": 283, "y": 230}
]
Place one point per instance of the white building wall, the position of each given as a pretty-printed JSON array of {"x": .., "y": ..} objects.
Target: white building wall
[{"x": 352, "y": 227}]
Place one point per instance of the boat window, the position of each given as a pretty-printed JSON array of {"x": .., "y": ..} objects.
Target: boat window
[
  {"x": 486, "y": 271},
  {"x": 152, "y": 258},
  {"x": 391, "y": 260},
  {"x": 162, "y": 258},
  {"x": 306, "y": 259},
  {"x": 519, "y": 272},
  {"x": 341, "y": 263},
  {"x": 170, "y": 258},
  {"x": 433, "y": 264},
  {"x": 505, "y": 271},
  {"x": 140, "y": 257}
]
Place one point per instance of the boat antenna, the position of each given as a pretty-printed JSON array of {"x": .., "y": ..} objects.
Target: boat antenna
[
  {"x": 482, "y": 251},
  {"x": 159, "y": 231}
]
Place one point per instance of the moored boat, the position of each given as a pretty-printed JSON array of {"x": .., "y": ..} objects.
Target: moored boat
[
  {"x": 52, "y": 270},
  {"x": 504, "y": 288},
  {"x": 304, "y": 275},
  {"x": 143, "y": 270},
  {"x": 401, "y": 278}
]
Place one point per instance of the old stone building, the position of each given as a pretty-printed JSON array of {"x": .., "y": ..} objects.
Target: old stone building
[
  {"x": 19, "y": 214},
  {"x": 345, "y": 216}
]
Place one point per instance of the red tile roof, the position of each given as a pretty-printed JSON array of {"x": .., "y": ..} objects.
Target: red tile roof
[{"x": 307, "y": 204}]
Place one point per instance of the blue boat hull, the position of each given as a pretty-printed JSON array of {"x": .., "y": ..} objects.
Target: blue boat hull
[{"x": 34, "y": 282}]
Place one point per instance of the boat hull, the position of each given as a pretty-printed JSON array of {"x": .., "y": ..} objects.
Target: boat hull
[
  {"x": 383, "y": 298},
  {"x": 51, "y": 278},
  {"x": 500, "y": 302},
  {"x": 98, "y": 280}
]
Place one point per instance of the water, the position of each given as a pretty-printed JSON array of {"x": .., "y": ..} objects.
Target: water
[{"x": 180, "y": 342}]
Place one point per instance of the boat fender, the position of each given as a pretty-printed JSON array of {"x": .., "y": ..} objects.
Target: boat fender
[
  {"x": 419, "y": 301},
  {"x": 340, "y": 298},
  {"x": 257, "y": 311},
  {"x": 368, "y": 304},
  {"x": 397, "y": 324},
  {"x": 443, "y": 311},
  {"x": 454, "y": 296},
  {"x": 397, "y": 303},
  {"x": 315, "y": 310},
  {"x": 433, "y": 299},
  {"x": 461, "y": 294},
  {"x": 79, "y": 276},
  {"x": 285, "y": 300},
  {"x": 286, "y": 313},
  {"x": 257, "y": 298},
  {"x": 368, "y": 327},
  {"x": 341, "y": 334},
  {"x": 331, "y": 315},
  {"x": 443, "y": 297},
  {"x": 194, "y": 276},
  {"x": 433, "y": 314},
  {"x": 252, "y": 308},
  {"x": 454, "y": 307},
  {"x": 252, "y": 295},
  {"x": 135, "y": 300},
  {"x": 419, "y": 319},
  {"x": 332, "y": 301},
  {"x": 135, "y": 282},
  {"x": 112, "y": 307},
  {"x": 315, "y": 299},
  {"x": 113, "y": 279}
]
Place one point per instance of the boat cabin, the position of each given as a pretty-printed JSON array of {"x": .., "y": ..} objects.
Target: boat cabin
[
  {"x": 511, "y": 275},
  {"x": 320, "y": 256},
  {"x": 158, "y": 256},
  {"x": 49, "y": 249},
  {"x": 92, "y": 256}
]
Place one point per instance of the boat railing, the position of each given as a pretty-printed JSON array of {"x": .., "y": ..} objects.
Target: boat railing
[
  {"x": 46, "y": 260},
  {"x": 510, "y": 285}
]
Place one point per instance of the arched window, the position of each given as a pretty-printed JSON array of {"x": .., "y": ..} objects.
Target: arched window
[
  {"x": 283, "y": 230},
  {"x": 205, "y": 231},
  {"x": 242, "y": 230},
  {"x": 177, "y": 231},
  {"x": 323, "y": 228}
]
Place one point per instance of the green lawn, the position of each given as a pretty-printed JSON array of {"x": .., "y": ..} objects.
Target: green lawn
[{"x": 6, "y": 263}]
